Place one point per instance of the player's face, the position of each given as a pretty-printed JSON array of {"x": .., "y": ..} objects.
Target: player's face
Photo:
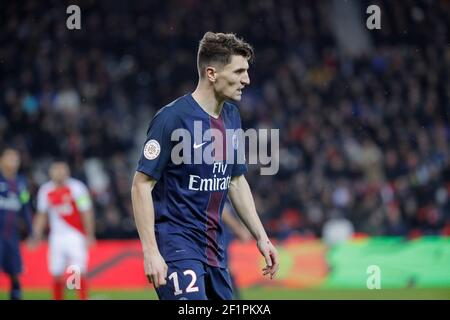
[
  {"x": 59, "y": 172},
  {"x": 232, "y": 78},
  {"x": 10, "y": 161}
]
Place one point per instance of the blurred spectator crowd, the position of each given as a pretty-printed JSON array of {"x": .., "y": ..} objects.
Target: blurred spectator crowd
[{"x": 365, "y": 138}]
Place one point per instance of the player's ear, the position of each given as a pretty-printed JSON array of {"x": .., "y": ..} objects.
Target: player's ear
[{"x": 211, "y": 73}]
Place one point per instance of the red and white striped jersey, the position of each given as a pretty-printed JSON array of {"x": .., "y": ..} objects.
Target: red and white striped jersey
[{"x": 64, "y": 204}]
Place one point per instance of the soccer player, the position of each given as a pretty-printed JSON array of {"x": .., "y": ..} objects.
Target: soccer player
[
  {"x": 67, "y": 203},
  {"x": 177, "y": 205},
  {"x": 14, "y": 200}
]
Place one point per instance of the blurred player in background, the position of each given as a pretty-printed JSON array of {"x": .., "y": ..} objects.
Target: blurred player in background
[
  {"x": 178, "y": 207},
  {"x": 234, "y": 230},
  {"x": 67, "y": 203},
  {"x": 14, "y": 200}
]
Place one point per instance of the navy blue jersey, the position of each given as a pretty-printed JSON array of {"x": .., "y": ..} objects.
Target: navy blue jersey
[
  {"x": 14, "y": 201},
  {"x": 188, "y": 196}
]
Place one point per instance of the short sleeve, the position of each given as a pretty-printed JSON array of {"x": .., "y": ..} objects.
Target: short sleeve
[
  {"x": 155, "y": 153},
  {"x": 24, "y": 197},
  {"x": 24, "y": 194},
  {"x": 82, "y": 197},
  {"x": 239, "y": 167}
]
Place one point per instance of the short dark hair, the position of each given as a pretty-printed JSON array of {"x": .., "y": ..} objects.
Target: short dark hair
[
  {"x": 60, "y": 158},
  {"x": 6, "y": 147},
  {"x": 219, "y": 47}
]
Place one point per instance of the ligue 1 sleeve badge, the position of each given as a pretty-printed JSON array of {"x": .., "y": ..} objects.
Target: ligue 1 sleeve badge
[{"x": 152, "y": 149}]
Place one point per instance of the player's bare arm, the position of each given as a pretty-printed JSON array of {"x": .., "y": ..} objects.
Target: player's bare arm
[
  {"x": 89, "y": 226},
  {"x": 144, "y": 214},
  {"x": 236, "y": 226},
  {"x": 242, "y": 200}
]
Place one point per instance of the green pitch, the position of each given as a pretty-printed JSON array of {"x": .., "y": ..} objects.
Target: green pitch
[{"x": 267, "y": 294}]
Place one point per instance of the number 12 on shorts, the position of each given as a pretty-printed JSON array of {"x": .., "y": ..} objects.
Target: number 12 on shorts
[{"x": 190, "y": 288}]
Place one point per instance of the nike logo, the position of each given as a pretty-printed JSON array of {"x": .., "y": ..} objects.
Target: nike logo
[{"x": 196, "y": 146}]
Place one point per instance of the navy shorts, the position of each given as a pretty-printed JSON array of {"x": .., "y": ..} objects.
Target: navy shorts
[
  {"x": 10, "y": 259},
  {"x": 195, "y": 280}
]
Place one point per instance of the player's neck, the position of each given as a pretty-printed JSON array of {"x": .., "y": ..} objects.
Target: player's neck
[
  {"x": 59, "y": 184},
  {"x": 208, "y": 101},
  {"x": 9, "y": 175}
]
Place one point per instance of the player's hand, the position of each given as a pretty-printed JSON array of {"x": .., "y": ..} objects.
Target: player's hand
[
  {"x": 155, "y": 268},
  {"x": 32, "y": 243},
  {"x": 270, "y": 254}
]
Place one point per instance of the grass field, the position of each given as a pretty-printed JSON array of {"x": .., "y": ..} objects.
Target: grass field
[{"x": 267, "y": 294}]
